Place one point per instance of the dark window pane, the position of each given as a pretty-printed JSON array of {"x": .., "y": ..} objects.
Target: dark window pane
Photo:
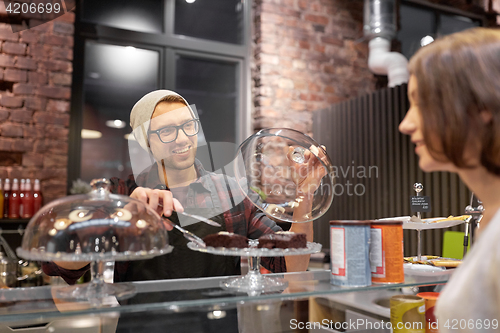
[
  {"x": 116, "y": 77},
  {"x": 452, "y": 23},
  {"x": 416, "y": 23},
  {"x": 211, "y": 86},
  {"x": 218, "y": 20},
  {"x": 144, "y": 15}
]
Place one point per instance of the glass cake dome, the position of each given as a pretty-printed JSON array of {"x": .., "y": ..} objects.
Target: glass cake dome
[
  {"x": 97, "y": 227},
  {"x": 285, "y": 174}
]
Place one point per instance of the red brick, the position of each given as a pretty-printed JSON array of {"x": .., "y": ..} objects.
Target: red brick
[
  {"x": 61, "y": 53},
  {"x": 28, "y": 36},
  {"x": 51, "y": 118},
  {"x": 69, "y": 17},
  {"x": 5, "y": 144},
  {"x": 4, "y": 114},
  {"x": 22, "y": 145},
  {"x": 63, "y": 28},
  {"x": 57, "y": 40},
  {"x": 39, "y": 51},
  {"x": 37, "y": 131},
  {"x": 7, "y": 60},
  {"x": 58, "y": 105},
  {"x": 25, "y": 63},
  {"x": 1, "y": 73},
  {"x": 33, "y": 160},
  {"x": 54, "y": 92},
  {"x": 23, "y": 89},
  {"x": 53, "y": 160},
  {"x": 332, "y": 41},
  {"x": 41, "y": 26},
  {"x": 14, "y": 48},
  {"x": 56, "y": 66},
  {"x": 37, "y": 78},
  {"x": 317, "y": 19},
  {"x": 21, "y": 116},
  {"x": 39, "y": 146},
  {"x": 7, "y": 34},
  {"x": 11, "y": 101},
  {"x": 57, "y": 146},
  {"x": 35, "y": 103},
  {"x": 57, "y": 132},
  {"x": 11, "y": 130},
  {"x": 15, "y": 75},
  {"x": 61, "y": 79}
]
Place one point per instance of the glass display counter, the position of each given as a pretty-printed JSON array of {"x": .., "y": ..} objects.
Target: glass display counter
[{"x": 197, "y": 305}]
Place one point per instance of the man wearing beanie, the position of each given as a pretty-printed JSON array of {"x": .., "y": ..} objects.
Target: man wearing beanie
[{"x": 167, "y": 128}]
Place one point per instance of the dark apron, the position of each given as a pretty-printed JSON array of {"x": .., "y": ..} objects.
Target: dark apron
[{"x": 183, "y": 262}]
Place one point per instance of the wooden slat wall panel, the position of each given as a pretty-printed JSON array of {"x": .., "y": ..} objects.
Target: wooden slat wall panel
[{"x": 362, "y": 134}]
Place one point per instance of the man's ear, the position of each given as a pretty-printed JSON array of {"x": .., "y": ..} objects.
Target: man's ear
[{"x": 486, "y": 116}]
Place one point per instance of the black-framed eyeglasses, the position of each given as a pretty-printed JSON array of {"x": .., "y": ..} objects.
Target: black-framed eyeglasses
[{"x": 169, "y": 134}]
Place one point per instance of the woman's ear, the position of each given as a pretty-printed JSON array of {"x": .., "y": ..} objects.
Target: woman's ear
[{"x": 486, "y": 116}]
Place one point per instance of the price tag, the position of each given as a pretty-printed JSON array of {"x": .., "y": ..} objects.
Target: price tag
[{"x": 420, "y": 203}]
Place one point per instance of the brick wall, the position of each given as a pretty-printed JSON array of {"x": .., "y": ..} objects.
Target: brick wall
[
  {"x": 308, "y": 54},
  {"x": 35, "y": 89}
]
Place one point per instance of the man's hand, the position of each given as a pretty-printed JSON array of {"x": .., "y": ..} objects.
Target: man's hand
[
  {"x": 161, "y": 201},
  {"x": 307, "y": 175}
]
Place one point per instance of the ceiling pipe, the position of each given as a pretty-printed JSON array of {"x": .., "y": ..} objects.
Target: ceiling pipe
[{"x": 380, "y": 28}]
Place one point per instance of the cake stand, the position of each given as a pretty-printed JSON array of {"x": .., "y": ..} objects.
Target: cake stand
[
  {"x": 100, "y": 228},
  {"x": 254, "y": 283}
]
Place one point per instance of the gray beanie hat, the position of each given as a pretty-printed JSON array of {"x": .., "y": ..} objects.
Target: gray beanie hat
[{"x": 143, "y": 111}]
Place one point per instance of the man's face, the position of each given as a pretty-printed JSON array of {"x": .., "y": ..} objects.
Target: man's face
[{"x": 180, "y": 153}]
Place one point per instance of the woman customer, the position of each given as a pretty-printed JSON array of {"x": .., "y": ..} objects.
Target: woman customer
[{"x": 454, "y": 121}]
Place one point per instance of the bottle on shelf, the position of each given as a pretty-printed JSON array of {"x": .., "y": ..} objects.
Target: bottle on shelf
[
  {"x": 6, "y": 198},
  {"x": 1, "y": 200},
  {"x": 27, "y": 201},
  {"x": 37, "y": 197},
  {"x": 14, "y": 200},
  {"x": 21, "y": 195}
]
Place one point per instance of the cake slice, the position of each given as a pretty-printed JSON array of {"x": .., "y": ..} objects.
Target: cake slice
[
  {"x": 226, "y": 239},
  {"x": 283, "y": 240}
]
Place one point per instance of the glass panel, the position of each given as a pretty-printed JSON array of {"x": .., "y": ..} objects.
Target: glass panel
[
  {"x": 211, "y": 86},
  {"x": 116, "y": 77},
  {"x": 416, "y": 24},
  {"x": 452, "y": 23},
  {"x": 144, "y": 15},
  {"x": 219, "y": 20}
]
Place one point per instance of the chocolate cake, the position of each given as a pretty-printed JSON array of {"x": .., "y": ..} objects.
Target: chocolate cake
[
  {"x": 226, "y": 239},
  {"x": 283, "y": 240}
]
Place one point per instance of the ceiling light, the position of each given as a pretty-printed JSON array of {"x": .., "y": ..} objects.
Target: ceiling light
[
  {"x": 426, "y": 40},
  {"x": 117, "y": 123},
  {"x": 90, "y": 134},
  {"x": 190, "y": 1}
]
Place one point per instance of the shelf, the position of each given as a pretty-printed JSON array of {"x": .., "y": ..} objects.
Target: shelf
[
  {"x": 12, "y": 221},
  {"x": 182, "y": 295}
]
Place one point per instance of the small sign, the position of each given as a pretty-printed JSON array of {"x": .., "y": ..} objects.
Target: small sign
[{"x": 420, "y": 203}]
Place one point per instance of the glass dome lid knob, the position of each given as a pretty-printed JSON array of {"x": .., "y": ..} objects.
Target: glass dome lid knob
[{"x": 100, "y": 188}]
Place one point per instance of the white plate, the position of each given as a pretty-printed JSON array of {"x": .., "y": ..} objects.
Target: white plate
[
  {"x": 425, "y": 224},
  {"x": 426, "y": 270}
]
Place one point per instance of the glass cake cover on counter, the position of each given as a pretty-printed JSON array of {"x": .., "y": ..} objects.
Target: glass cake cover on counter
[
  {"x": 97, "y": 226},
  {"x": 283, "y": 172}
]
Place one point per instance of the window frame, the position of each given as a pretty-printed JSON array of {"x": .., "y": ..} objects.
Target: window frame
[{"x": 169, "y": 45}]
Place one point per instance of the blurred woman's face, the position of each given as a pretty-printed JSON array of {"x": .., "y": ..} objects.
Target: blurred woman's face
[{"x": 412, "y": 126}]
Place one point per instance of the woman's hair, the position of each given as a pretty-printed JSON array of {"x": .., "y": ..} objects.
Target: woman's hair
[{"x": 458, "y": 78}]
